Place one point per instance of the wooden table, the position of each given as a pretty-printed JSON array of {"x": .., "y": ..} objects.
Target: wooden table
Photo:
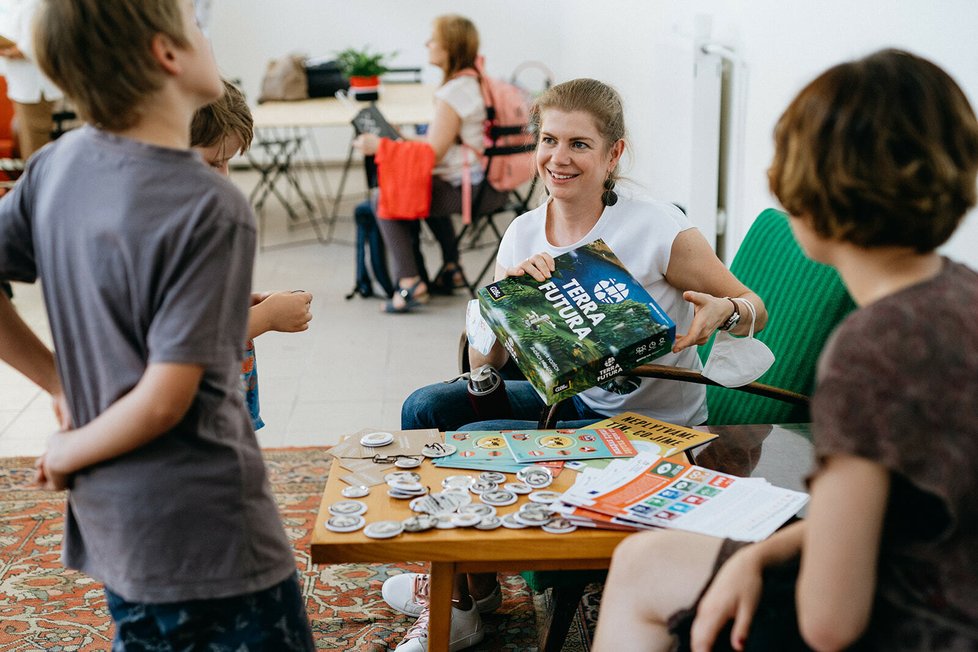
[
  {"x": 283, "y": 130},
  {"x": 401, "y": 104},
  {"x": 782, "y": 454}
]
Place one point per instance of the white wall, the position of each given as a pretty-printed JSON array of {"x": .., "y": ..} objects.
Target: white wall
[{"x": 642, "y": 47}]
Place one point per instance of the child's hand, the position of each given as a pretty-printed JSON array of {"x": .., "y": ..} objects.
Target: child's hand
[
  {"x": 46, "y": 475},
  {"x": 286, "y": 312},
  {"x": 733, "y": 595}
]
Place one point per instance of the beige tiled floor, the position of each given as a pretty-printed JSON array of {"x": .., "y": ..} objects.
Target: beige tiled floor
[{"x": 350, "y": 370}]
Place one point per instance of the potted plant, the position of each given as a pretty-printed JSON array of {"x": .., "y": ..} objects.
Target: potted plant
[{"x": 363, "y": 68}]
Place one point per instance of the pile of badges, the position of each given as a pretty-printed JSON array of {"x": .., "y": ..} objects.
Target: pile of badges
[{"x": 453, "y": 507}]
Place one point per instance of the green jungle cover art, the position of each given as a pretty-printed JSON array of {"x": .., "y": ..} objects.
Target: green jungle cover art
[{"x": 588, "y": 323}]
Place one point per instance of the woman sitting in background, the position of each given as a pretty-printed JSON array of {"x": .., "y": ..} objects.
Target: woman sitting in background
[
  {"x": 454, "y": 131},
  {"x": 876, "y": 162}
]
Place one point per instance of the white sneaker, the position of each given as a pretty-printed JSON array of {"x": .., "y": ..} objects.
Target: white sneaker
[
  {"x": 466, "y": 631},
  {"x": 408, "y": 594}
]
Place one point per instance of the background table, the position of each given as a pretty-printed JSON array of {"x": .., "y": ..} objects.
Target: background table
[
  {"x": 284, "y": 133},
  {"x": 782, "y": 454}
]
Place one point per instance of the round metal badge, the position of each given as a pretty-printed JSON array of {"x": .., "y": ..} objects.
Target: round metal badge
[
  {"x": 498, "y": 497},
  {"x": 409, "y": 462},
  {"x": 376, "y": 439},
  {"x": 544, "y": 497},
  {"x": 465, "y": 520},
  {"x": 559, "y": 526},
  {"x": 383, "y": 529},
  {"x": 458, "y": 482},
  {"x": 537, "y": 477},
  {"x": 402, "y": 476},
  {"x": 519, "y": 488},
  {"x": 478, "y": 508},
  {"x": 418, "y": 523},
  {"x": 489, "y": 523},
  {"x": 483, "y": 486},
  {"x": 437, "y": 449},
  {"x": 534, "y": 519},
  {"x": 510, "y": 521},
  {"x": 355, "y": 491},
  {"x": 345, "y": 523},
  {"x": 493, "y": 476},
  {"x": 348, "y": 508}
]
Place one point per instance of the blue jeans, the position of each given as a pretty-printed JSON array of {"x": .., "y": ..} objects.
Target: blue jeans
[
  {"x": 272, "y": 620},
  {"x": 446, "y": 406}
]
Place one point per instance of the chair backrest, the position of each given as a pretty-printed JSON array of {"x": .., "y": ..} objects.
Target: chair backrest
[
  {"x": 805, "y": 301},
  {"x": 8, "y": 141}
]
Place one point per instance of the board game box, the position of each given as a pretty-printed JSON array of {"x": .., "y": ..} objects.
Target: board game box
[{"x": 591, "y": 321}]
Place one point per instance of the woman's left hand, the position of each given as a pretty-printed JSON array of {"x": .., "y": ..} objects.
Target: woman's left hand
[
  {"x": 709, "y": 313},
  {"x": 367, "y": 144},
  {"x": 733, "y": 595}
]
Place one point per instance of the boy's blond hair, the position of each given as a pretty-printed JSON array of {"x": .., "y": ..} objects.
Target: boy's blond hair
[
  {"x": 228, "y": 116},
  {"x": 98, "y": 52}
]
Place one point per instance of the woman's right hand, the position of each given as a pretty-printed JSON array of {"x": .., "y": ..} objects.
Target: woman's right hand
[
  {"x": 367, "y": 144},
  {"x": 540, "y": 266}
]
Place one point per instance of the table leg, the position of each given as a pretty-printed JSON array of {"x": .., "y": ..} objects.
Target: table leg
[{"x": 440, "y": 601}]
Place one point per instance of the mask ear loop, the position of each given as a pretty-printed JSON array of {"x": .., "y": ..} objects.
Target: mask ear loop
[{"x": 753, "y": 314}]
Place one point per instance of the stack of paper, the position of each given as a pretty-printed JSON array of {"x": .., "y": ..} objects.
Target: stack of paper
[{"x": 649, "y": 491}]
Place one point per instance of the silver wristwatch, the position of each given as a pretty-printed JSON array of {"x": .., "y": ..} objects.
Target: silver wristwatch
[{"x": 733, "y": 319}]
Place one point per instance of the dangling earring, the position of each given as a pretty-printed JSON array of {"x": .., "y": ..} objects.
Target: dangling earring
[{"x": 609, "y": 197}]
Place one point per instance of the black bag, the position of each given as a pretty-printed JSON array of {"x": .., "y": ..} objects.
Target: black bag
[
  {"x": 369, "y": 240},
  {"x": 325, "y": 78}
]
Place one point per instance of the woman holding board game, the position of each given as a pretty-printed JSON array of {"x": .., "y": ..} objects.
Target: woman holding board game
[
  {"x": 581, "y": 130},
  {"x": 581, "y": 139}
]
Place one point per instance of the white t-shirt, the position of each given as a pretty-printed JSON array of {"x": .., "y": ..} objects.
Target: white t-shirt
[
  {"x": 464, "y": 95},
  {"x": 26, "y": 83},
  {"x": 641, "y": 232}
]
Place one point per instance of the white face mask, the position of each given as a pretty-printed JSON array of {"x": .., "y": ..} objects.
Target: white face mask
[{"x": 738, "y": 361}]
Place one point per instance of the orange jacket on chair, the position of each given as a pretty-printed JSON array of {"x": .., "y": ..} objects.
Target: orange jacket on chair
[{"x": 404, "y": 177}]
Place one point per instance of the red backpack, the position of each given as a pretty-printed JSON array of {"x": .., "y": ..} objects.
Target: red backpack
[{"x": 507, "y": 105}]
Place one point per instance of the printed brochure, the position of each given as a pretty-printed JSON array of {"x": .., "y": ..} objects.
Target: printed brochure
[
  {"x": 650, "y": 491},
  {"x": 531, "y": 446},
  {"x": 648, "y": 434}
]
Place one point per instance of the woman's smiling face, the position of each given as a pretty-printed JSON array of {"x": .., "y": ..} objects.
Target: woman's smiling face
[{"x": 572, "y": 156}]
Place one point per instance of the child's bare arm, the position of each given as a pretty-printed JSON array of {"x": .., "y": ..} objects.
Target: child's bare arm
[
  {"x": 287, "y": 312},
  {"x": 837, "y": 581},
  {"x": 22, "y": 350},
  {"x": 156, "y": 404}
]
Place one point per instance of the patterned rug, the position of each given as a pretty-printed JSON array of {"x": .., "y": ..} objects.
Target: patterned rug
[{"x": 45, "y": 607}]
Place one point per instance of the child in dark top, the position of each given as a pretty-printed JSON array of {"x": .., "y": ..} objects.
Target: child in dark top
[
  {"x": 876, "y": 161},
  {"x": 218, "y": 132},
  {"x": 146, "y": 258}
]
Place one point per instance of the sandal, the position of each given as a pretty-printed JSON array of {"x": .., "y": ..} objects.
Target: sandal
[
  {"x": 448, "y": 280},
  {"x": 412, "y": 299}
]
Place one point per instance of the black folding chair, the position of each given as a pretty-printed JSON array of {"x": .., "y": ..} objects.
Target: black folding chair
[
  {"x": 277, "y": 165},
  {"x": 484, "y": 213}
]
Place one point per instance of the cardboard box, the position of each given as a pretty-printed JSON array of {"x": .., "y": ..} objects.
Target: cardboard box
[{"x": 587, "y": 324}]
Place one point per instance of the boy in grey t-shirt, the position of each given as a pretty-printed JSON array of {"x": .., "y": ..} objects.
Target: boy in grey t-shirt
[{"x": 146, "y": 259}]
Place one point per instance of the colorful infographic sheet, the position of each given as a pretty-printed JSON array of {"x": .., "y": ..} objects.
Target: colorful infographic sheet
[{"x": 649, "y": 491}]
